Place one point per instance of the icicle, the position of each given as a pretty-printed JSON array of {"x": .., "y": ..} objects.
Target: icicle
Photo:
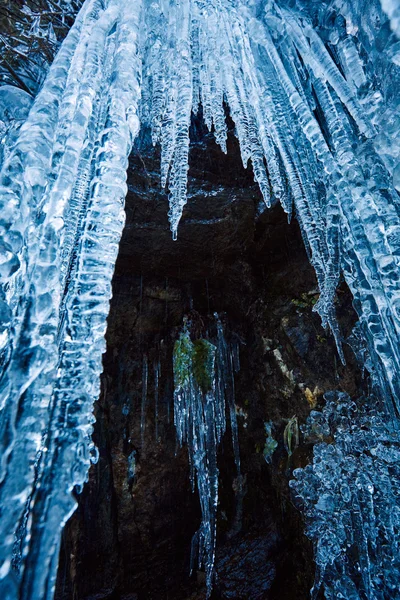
[
  {"x": 315, "y": 112},
  {"x": 203, "y": 386},
  {"x": 226, "y": 377},
  {"x": 351, "y": 62},
  {"x": 392, "y": 9},
  {"x": 145, "y": 373},
  {"x": 317, "y": 57},
  {"x": 61, "y": 242},
  {"x": 235, "y": 357},
  {"x": 157, "y": 372}
]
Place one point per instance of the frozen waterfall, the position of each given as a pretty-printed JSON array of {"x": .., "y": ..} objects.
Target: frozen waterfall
[{"x": 313, "y": 90}]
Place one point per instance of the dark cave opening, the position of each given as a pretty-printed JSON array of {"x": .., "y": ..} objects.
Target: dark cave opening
[{"x": 130, "y": 537}]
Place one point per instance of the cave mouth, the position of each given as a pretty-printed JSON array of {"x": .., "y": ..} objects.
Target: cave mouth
[{"x": 130, "y": 537}]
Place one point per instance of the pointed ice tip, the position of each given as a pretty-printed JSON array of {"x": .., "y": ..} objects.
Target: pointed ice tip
[
  {"x": 267, "y": 200},
  {"x": 339, "y": 347},
  {"x": 174, "y": 235}
]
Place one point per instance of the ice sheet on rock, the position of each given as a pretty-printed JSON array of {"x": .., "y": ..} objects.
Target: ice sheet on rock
[{"x": 350, "y": 498}]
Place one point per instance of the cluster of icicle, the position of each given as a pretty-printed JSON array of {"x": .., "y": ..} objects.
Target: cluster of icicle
[
  {"x": 204, "y": 391},
  {"x": 350, "y": 494},
  {"x": 62, "y": 191},
  {"x": 313, "y": 91}
]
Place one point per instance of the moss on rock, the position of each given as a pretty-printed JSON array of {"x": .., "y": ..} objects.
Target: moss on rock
[
  {"x": 204, "y": 364},
  {"x": 183, "y": 355},
  {"x": 196, "y": 359}
]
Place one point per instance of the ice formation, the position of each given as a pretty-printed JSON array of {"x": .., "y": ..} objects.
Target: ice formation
[
  {"x": 204, "y": 391},
  {"x": 307, "y": 88},
  {"x": 15, "y": 105},
  {"x": 30, "y": 35},
  {"x": 351, "y": 498},
  {"x": 313, "y": 90},
  {"x": 62, "y": 197}
]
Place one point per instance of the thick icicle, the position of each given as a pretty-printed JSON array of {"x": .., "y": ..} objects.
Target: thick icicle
[
  {"x": 279, "y": 77},
  {"x": 63, "y": 189},
  {"x": 313, "y": 91}
]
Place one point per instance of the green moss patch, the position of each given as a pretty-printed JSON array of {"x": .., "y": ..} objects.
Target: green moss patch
[
  {"x": 196, "y": 359},
  {"x": 204, "y": 364}
]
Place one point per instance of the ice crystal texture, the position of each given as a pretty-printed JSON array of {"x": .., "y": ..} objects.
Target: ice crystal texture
[
  {"x": 14, "y": 108},
  {"x": 351, "y": 498},
  {"x": 204, "y": 391},
  {"x": 313, "y": 90}
]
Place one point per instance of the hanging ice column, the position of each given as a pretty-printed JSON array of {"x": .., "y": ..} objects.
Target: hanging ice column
[
  {"x": 203, "y": 374},
  {"x": 62, "y": 212}
]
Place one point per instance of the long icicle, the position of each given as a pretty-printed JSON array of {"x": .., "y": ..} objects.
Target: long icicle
[{"x": 73, "y": 339}]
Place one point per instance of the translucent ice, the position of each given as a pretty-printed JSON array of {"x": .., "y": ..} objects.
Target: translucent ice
[
  {"x": 62, "y": 191},
  {"x": 204, "y": 390},
  {"x": 313, "y": 90},
  {"x": 14, "y": 108}
]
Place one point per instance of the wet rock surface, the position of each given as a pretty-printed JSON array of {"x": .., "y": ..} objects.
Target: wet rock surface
[{"x": 130, "y": 537}]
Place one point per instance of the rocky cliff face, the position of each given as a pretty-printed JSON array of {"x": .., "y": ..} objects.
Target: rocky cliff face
[{"x": 130, "y": 538}]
